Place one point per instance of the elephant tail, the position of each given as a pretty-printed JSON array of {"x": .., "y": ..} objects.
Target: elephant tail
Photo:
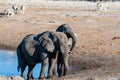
[
  {"x": 18, "y": 68},
  {"x": 19, "y": 56}
]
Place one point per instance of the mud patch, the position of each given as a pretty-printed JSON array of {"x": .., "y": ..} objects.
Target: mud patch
[{"x": 76, "y": 66}]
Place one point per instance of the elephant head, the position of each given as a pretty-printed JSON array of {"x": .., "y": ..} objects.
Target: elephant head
[
  {"x": 46, "y": 44},
  {"x": 65, "y": 28}
]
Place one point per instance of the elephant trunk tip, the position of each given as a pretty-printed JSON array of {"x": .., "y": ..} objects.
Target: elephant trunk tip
[{"x": 70, "y": 52}]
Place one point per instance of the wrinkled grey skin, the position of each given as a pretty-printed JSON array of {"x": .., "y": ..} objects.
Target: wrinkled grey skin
[
  {"x": 26, "y": 53},
  {"x": 66, "y": 29},
  {"x": 61, "y": 47},
  {"x": 43, "y": 48}
]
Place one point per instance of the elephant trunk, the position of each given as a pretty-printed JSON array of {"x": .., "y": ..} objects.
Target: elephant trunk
[
  {"x": 65, "y": 28},
  {"x": 71, "y": 35}
]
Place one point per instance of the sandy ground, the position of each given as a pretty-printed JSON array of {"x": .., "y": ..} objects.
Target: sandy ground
[{"x": 97, "y": 52}]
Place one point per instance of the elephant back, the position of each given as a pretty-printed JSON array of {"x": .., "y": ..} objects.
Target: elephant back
[
  {"x": 29, "y": 44},
  {"x": 63, "y": 28}
]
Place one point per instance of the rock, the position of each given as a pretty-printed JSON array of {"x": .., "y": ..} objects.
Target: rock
[
  {"x": 51, "y": 21},
  {"x": 11, "y": 78}
]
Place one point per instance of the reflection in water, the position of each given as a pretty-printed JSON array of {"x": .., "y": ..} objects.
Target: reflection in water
[{"x": 8, "y": 64}]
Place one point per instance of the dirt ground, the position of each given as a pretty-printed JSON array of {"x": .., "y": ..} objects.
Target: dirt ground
[{"x": 97, "y": 52}]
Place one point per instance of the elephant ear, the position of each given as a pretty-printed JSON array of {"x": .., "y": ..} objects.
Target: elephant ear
[
  {"x": 29, "y": 44},
  {"x": 48, "y": 45}
]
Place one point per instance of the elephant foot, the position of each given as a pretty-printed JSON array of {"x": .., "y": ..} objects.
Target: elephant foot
[
  {"x": 41, "y": 78},
  {"x": 23, "y": 76},
  {"x": 30, "y": 79},
  {"x": 59, "y": 75},
  {"x": 50, "y": 77}
]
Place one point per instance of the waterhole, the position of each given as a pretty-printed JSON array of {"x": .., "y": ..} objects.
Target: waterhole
[{"x": 9, "y": 63}]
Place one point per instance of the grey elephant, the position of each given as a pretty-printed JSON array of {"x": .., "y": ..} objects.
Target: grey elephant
[
  {"x": 25, "y": 50},
  {"x": 67, "y": 30},
  {"x": 43, "y": 48}
]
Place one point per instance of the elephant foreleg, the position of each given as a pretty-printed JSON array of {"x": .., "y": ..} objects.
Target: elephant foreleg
[
  {"x": 65, "y": 65},
  {"x": 52, "y": 65},
  {"x": 43, "y": 68},
  {"x": 30, "y": 71},
  {"x": 62, "y": 65},
  {"x": 60, "y": 68}
]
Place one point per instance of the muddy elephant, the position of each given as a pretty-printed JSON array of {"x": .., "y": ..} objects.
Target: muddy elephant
[
  {"x": 26, "y": 51},
  {"x": 44, "y": 48},
  {"x": 67, "y": 30}
]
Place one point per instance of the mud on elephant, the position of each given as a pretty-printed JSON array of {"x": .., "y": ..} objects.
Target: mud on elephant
[
  {"x": 43, "y": 48},
  {"x": 67, "y": 30}
]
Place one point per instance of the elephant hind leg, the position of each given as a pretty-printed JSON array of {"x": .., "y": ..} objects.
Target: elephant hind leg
[
  {"x": 65, "y": 66},
  {"x": 60, "y": 69},
  {"x": 51, "y": 68},
  {"x": 30, "y": 71},
  {"x": 62, "y": 65},
  {"x": 54, "y": 70},
  {"x": 43, "y": 68}
]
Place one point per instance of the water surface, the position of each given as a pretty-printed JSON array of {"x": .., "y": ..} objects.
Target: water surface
[{"x": 8, "y": 64}]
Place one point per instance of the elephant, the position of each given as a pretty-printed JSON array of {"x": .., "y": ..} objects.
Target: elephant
[
  {"x": 65, "y": 28},
  {"x": 25, "y": 52},
  {"x": 44, "y": 48}
]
